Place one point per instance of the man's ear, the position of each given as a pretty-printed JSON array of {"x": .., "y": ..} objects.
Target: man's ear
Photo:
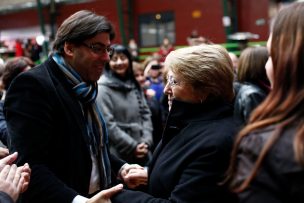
[{"x": 68, "y": 49}]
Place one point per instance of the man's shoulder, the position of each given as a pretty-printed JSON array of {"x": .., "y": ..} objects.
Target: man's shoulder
[{"x": 43, "y": 71}]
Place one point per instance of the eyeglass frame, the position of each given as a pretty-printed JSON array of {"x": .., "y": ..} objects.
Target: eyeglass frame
[
  {"x": 171, "y": 81},
  {"x": 103, "y": 49}
]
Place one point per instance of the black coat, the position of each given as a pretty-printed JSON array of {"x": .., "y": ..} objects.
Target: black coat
[
  {"x": 5, "y": 198},
  {"x": 191, "y": 158},
  {"x": 248, "y": 97},
  {"x": 47, "y": 128}
]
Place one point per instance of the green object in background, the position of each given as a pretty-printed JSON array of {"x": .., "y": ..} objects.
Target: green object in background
[
  {"x": 121, "y": 22},
  {"x": 41, "y": 20},
  {"x": 230, "y": 46}
]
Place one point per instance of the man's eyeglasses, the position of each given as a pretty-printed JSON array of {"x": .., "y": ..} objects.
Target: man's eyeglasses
[
  {"x": 99, "y": 48},
  {"x": 171, "y": 81}
]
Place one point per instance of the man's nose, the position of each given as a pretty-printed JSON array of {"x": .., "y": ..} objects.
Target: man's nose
[{"x": 105, "y": 57}]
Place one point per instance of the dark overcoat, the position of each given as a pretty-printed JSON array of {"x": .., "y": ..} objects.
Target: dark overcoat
[
  {"x": 191, "y": 158},
  {"x": 46, "y": 127}
]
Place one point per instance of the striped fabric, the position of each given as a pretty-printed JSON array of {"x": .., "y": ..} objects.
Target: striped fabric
[{"x": 97, "y": 132}]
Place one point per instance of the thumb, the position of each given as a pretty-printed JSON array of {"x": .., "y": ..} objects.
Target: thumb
[
  {"x": 9, "y": 159},
  {"x": 106, "y": 194},
  {"x": 112, "y": 191}
]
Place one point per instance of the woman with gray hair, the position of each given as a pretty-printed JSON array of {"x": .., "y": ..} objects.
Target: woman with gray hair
[{"x": 193, "y": 154}]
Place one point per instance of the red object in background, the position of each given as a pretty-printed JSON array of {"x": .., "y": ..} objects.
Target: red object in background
[{"x": 18, "y": 48}]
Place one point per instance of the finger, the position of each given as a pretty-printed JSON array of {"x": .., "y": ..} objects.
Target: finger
[
  {"x": 106, "y": 194},
  {"x": 12, "y": 174},
  {"x": 24, "y": 186},
  {"x": 20, "y": 184},
  {"x": 26, "y": 176},
  {"x": 26, "y": 168},
  {"x": 112, "y": 191},
  {"x": 137, "y": 170},
  {"x": 136, "y": 166},
  {"x": 140, "y": 156},
  {"x": 4, "y": 172},
  {"x": 18, "y": 176},
  {"x": 9, "y": 159}
]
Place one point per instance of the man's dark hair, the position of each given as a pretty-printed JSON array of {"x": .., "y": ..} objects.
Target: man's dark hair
[{"x": 80, "y": 26}]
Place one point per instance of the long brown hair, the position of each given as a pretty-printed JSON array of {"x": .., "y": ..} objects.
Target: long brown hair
[
  {"x": 251, "y": 67},
  {"x": 284, "y": 105}
]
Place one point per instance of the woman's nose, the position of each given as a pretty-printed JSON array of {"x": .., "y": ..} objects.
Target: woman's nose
[{"x": 167, "y": 89}]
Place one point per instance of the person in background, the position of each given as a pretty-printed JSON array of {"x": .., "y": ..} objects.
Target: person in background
[
  {"x": 254, "y": 84},
  {"x": 133, "y": 49},
  {"x": 18, "y": 48},
  {"x": 54, "y": 123},
  {"x": 13, "y": 67},
  {"x": 155, "y": 78},
  {"x": 154, "y": 105},
  {"x": 235, "y": 63},
  {"x": 124, "y": 106},
  {"x": 194, "y": 151},
  {"x": 267, "y": 162},
  {"x": 165, "y": 48},
  {"x": 13, "y": 180}
]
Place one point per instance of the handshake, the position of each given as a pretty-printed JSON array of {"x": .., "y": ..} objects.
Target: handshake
[{"x": 132, "y": 175}]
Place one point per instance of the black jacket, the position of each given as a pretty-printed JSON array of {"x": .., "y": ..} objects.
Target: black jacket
[
  {"x": 248, "y": 97},
  {"x": 191, "y": 158},
  {"x": 5, "y": 198},
  {"x": 47, "y": 128}
]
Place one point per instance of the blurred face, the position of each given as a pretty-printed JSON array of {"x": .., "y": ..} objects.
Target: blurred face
[
  {"x": 153, "y": 73},
  {"x": 269, "y": 64},
  {"x": 179, "y": 90},
  {"x": 90, "y": 57},
  {"x": 139, "y": 76},
  {"x": 119, "y": 64}
]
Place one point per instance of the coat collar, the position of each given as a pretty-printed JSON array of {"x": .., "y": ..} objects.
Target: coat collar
[{"x": 182, "y": 112}]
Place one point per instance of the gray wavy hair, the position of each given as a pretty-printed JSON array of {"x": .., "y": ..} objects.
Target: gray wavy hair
[{"x": 207, "y": 68}]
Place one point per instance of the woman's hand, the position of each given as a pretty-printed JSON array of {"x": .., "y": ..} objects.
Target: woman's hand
[
  {"x": 142, "y": 150},
  {"x": 105, "y": 195},
  {"x": 135, "y": 178},
  {"x": 134, "y": 175}
]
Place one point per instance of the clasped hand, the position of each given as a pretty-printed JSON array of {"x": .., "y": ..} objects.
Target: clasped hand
[{"x": 133, "y": 175}]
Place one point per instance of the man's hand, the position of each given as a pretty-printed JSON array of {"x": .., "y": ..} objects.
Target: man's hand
[
  {"x": 26, "y": 174},
  {"x": 11, "y": 181},
  {"x": 25, "y": 171},
  {"x": 8, "y": 160},
  {"x": 105, "y": 195}
]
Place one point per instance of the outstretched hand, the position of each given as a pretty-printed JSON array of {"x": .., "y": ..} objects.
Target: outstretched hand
[
  {"x": 8, "y": 160},
  {"x": 11, "y": 181},
  {"x": 105, "y": 195},
  {"x": 24, "y": 171}
]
